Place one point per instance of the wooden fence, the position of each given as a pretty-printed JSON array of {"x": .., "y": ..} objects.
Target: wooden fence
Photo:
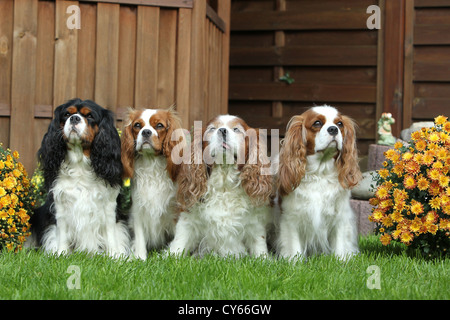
[
  {"x": 324, "y": 46},
  {"x": 127, "y": 53}
]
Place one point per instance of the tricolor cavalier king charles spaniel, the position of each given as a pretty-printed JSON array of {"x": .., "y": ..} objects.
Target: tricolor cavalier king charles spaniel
[
  {"x": 224, "y": 193},
  {"x": 318, "y": 167},
  {"x": 147, "y": 144},
  {"x": 80, "y": 159}
]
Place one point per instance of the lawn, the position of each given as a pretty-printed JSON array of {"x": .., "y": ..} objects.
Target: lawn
[{"x": 34, "y": 275}]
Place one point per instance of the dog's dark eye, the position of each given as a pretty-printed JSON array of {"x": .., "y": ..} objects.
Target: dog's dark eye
[
  {"x": 67, "y": 114},
  {"x": 317, "y": 124},
  {"x": 137, "y": 125},
  {"x": 236, "y": 130},
  {"x": 340, "y": 124},
  {"x": 159, "y": 126},
  {"x": 89, "y": 116}
]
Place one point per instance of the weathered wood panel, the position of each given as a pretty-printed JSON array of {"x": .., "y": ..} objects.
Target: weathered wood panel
[
  {"x": 323, "y": 46},
  {"x": 126, "y": 54}
]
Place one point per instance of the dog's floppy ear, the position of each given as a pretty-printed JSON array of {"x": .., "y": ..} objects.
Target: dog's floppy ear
[
  {"x": 347, "y": 161},
  {"x": 174, "y": 130},
  {"x": 53, "y": 147},
  {"x": 128, "y": 145},
  {"x": 255, "y": 173},
  {"x": 292, "y": 156},
  {"x": 105, "y": 151}
]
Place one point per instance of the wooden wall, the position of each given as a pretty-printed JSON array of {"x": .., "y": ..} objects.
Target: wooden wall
[
  {"x": 325, "y": 47},
  {"x": 427, "y": 62},
  {"x": 143, "y": 53}
]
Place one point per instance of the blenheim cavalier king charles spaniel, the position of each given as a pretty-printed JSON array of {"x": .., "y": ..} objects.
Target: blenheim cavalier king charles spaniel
[
  {"x": 147, "y": 159},
  {"x": 80, "y": 159},
  {"x": 318, "y": 167},
  {"x": 224, "y": 195}
]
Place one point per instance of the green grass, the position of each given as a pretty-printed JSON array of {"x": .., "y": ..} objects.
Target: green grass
[{"x": 34, "y": 275}]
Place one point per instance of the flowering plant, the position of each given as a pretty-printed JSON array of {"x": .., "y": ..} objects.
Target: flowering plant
[
  {"x": 412, "y": 198},
  {"x": 16, "y": 201}
]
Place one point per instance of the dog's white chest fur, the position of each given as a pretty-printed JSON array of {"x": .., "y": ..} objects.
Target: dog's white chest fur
[
  {"x": 225, "y": 221},
  {"x": 153, "y": 203},
  {"x": 85, "y": 206}
]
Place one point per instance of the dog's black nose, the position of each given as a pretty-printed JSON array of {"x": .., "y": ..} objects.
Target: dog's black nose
[
  {"x": 75, "y": 119},
  {"x": 146, "y": 133},
  {"x": 333, "y": 130},
  {"x": 223, "y": 131}
]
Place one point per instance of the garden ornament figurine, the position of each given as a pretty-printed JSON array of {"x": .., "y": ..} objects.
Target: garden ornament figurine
[{"x": 384, "y": 130}]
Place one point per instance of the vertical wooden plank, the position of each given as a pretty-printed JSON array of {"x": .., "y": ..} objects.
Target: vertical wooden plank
[
  {"x": 23, "y": 80},
  {"x": 65, "y": 78},
  {"x": 393, "y": 61},
  {"x": 44, "y": 67},
  {"x": 380, "y": 65},
  {"x": 107, "y": 58},
  {"x": 408, "y": 86},
  {"x": 197, "y": 110},
  {"x": 6, "y": 46},
  {"x": 280, "y": 41},
  {"x": 147, "y": 40},
  {"x": 224, "y": 11},
  {"x": 127, "y": 61},
  {"x": 166, "y": 61},
  {"x": 86, "y": 52},
  {"x": 183, "y": 65}
]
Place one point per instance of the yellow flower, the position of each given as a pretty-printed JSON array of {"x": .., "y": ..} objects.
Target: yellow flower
[
  {"x": 416, "y": 207},
  {"x": 444, "y": 181},
  {"x": 406, "y": 237},
  {"x": 385, "y": 239},
  {"x": 382, "y": 193},
  {"x": 16, "y": 154},
  {"x": 409, "y": 182},
  {"x": 434, "y": 137},
  {"x": 407, "y": 156},
  {"x": 415, "y": 225},
  {"x": 3, "y": 215},
  {"x": 431, "y": 217},
  {"x": 397, "y": 216},
  {"x": 432, "y": 228},
  {"x": 384, "y": 173},
  {"x": 377, "y": 214},
  {"x": 415, "y": 135},
  {"x": 387, "y": 221},
  {"x": 423, "y": 184},
  {"x": 421, "y": 145},
  {"x": 440, "y": 120},
  {"x": 435, "y": 203},
  {"x": 5, "y": 201},
  {"x": 2, "y": 192},
  {"x": 396, "y": 234},
  {"x": 412, "y": 168},
  {"x": 126, "y": 182},
  {"x": 17, "y": 173},
  {"x": 434, "y": 174},
  {"x": 9, "y": 183},
  {"x": 398, "y": 145},
  {"x": 447, "y": 126}
]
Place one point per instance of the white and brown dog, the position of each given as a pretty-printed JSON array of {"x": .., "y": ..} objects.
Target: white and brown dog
[
  {"x": 225, "y": 194},
  {"x": 147, "y": 160},
  {"x": 317, "y": 168}
]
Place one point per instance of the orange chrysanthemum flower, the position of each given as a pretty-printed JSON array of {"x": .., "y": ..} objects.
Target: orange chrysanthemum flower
[
  {"x": 423, "y": 184},
  {"x": 416, "y": 207},
  {"x": 409, "y": 182}
]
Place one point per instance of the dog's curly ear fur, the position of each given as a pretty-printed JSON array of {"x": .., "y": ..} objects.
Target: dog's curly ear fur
[
  {"x": 193, "y": 177},
  {"x": 174, "y": 128},
  {"x": 256, "y": 178},
  {"x": 53, "y": 148},
  {"x": 292, "y": 156},
  {"x": 347, "y": 161},
  {"x": 128, "y": 147},
  {"x": 105, "y": 151}
]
